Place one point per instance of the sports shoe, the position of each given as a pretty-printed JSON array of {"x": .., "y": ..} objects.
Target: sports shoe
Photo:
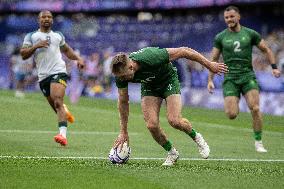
[
  {"x": 172, "y": 158},
  {"x": 60, "y": 139},
  {"x": 203, "y": 147},
  {"x": 259, "y": 147},
  {"x": 19, "y": 94},
  {"x": 69, "y": 116}
]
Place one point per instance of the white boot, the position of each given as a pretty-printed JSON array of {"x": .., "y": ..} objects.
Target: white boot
[
  {"x": 203, "y": 147},
  {"x": 259, "y": 146},
  {"x": 172, "y": 157}
]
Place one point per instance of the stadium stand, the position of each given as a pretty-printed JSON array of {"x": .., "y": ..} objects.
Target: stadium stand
[{"x": 93, "y": 31}]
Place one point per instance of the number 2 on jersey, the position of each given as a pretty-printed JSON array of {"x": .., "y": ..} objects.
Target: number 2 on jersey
[{"x": 237, "y": 45}]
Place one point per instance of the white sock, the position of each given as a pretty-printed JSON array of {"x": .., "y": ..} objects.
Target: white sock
[
  {"x": 63, "y": 131},
  {"x": 173, "y": 151}
]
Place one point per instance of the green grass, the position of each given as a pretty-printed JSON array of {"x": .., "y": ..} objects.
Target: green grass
[{"x": 28, "y": 126}]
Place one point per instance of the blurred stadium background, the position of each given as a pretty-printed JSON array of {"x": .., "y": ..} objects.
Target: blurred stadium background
[{"x": 98, "y": 29}]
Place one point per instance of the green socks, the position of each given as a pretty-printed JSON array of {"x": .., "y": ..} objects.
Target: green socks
[
  {"x": 168, "y": 146},
  {"x": 257, "y": 135},
  {"x": 192, "y": 134}
]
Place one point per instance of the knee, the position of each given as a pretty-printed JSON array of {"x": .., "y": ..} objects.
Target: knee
[
  {"x": 231, "y": 114},
  {"x": 174, "y": 122},
  {"x": 58, "y": 102},
  {"x": 254, "y": 109},
  {"x": 152, "y": 125}
]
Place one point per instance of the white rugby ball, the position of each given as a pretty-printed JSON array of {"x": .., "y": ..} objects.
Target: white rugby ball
[{"x": 117, "y": 156}]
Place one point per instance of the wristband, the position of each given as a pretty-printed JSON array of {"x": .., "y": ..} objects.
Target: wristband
[{"x": 273, "y": 66}]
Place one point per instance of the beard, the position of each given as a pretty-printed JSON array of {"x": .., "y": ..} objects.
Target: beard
[{"x": 232, "y": 25}]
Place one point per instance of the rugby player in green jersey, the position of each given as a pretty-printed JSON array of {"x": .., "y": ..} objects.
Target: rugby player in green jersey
[
  {"x": 236, "y": 43},
  {"x": 152, "y": 68}
]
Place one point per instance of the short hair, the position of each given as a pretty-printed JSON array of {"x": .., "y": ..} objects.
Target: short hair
[
  {"x": 39, "y": 14},
  {"x": 118, "y": 63},
  {"x": 233, "y": 8}
]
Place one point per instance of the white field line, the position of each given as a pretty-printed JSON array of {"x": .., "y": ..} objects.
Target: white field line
[
  {"x": 72, "y": 132},
  {"x": 163, "y": 119},
  {"x": 139, "y": 158}
]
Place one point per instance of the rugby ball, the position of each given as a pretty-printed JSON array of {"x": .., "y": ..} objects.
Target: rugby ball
[{"x": 117, "y": 156}]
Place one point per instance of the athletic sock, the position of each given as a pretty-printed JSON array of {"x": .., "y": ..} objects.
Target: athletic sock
[
  {"x": 192, "y": 134},
  {"x": 257, "y": 135},
  {"x": 168, "y": 146},
  {"x": 62, "y": 128}
]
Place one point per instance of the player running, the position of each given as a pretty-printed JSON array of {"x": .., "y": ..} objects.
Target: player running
[
  {"x": 236, "y": 43},
  {"x": 46, "y": 46}
]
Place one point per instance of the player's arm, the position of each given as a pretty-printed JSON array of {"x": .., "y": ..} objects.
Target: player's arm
[
  {"x": 123, "y": 108},
  {"x": 69, "y": 52},
  {"x": 215, "y": 58},
  {"x": 28, "y": 50},
  {"x": 188, "y": 53},
  {"x": 270, "y": 56}
]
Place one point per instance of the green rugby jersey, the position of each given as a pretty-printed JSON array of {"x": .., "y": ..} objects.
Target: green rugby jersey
[
  {"x": 236, "y": 49},
  {"x": 155, "y": 68}
]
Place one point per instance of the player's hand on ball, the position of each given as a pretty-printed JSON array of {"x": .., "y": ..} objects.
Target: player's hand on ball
[{"x": 122, "y": 137}]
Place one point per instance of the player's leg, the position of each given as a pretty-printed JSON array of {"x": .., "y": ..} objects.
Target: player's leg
[
  {"x": 45, "y": 88},
  {"x": 231, "y": 106},
  {"x": 70, "y": 118},
  {"x": 175, "y": 119},
  {"x": 57, "y": 92},
  {"x": 51, "y": 103},
  {"x": 231, "y": 93},
  {"x": 151, "y": 108},
  {"x": 20, "y": 86},
  {"x": 252, "y": 99}
]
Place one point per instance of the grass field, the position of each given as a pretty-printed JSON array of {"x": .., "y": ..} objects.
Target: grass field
[{"x": 29, "y": 158}]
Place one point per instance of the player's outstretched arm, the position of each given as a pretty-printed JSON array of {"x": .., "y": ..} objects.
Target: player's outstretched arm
[
  {"x": 270, "y": 56},
  {"x": 215, "y": 58},
  {"x": 27, "y": 51},
  {"x": 123, "y": 108},
  {"x": 188, "y": 53},
  {"x": 69, "y": 52}
]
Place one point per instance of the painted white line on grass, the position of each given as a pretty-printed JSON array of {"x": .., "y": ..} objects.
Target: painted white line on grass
[
  {"x": 140, "y": 158},
  {"x": 72, "y": 132}
]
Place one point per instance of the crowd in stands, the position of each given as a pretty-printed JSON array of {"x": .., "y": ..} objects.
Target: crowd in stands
[
  {"x": 102, "y": 5},
  {"x": 99, "y": 38}
]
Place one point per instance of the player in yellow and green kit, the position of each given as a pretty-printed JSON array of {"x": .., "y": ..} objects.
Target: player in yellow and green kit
[
  {"x": 236, "y": 43},
  {"x": 152, "y": 68}
]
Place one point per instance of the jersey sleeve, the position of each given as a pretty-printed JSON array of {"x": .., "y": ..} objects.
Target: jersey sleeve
[
  {"x": 256, "y": 38},
  {"x": 217, "y": 42},
  {"x": 28, "y": 40},
  {"x": 62, "y": 41},
  {"x": 121, "y": 84}
]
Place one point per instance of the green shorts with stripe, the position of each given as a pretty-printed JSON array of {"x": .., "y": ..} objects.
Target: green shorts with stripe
[
  {"x": 236, "y": 87},
  {"x": 169, "y": 87},
  {"x": 55, "y": 78}
]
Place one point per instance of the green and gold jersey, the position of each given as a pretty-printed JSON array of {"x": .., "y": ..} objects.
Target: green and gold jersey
[
  {"x": 155, "y": 68},
  {"x": 236, "y": 49}
]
